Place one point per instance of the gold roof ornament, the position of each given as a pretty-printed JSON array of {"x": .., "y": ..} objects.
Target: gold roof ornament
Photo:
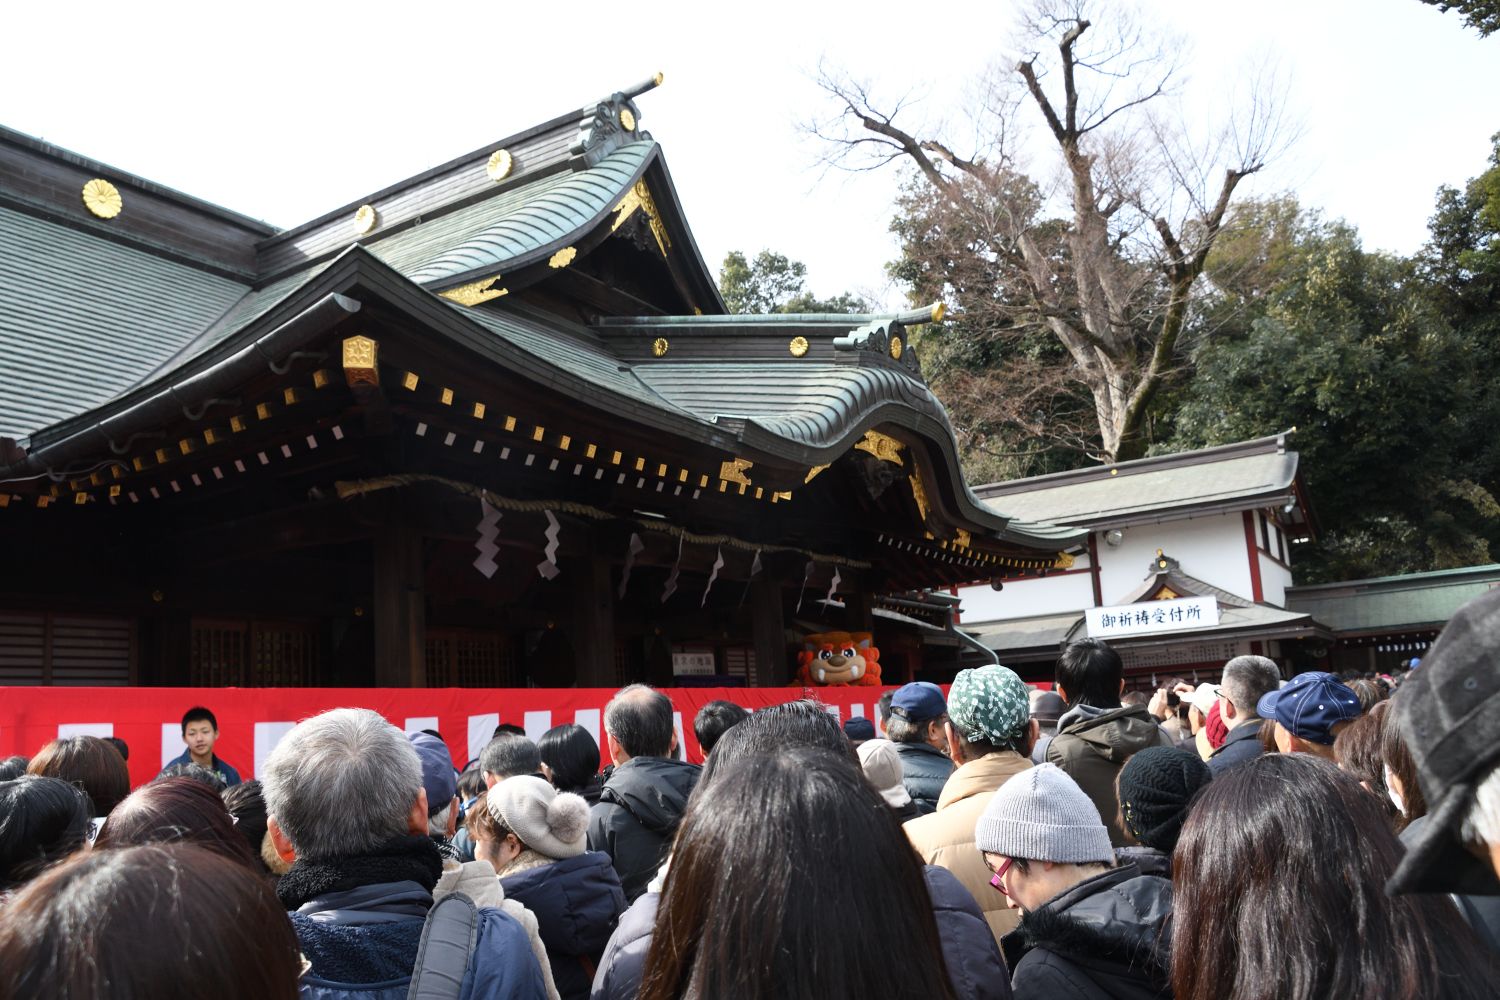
[
  {"x": 896, "y": 348},
  {"x": 919, "y": 494},
  {"x": 811, "y": 473},
  {"x": 365, "y": 219},
  {"x": 939, "y": 310},
  {"x": 660, "y": 347},
  {"x": 500, "y": 165},
  {"x": 639, "y": 197},
  {"x": 475, "y": 292},
  {"x": 798, "y": 347},
  {"x": 102, "y": 198},
  {"x": 734, "y": 471},
  {"x": 627, "y": 120},
  {"x": 563, "y": 257},
  {"x": 1064, "y": 560},
  {"x": 882, "y": 446}
]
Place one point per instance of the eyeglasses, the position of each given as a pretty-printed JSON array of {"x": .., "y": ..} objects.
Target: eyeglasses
[{"x": 999, "y": 880}]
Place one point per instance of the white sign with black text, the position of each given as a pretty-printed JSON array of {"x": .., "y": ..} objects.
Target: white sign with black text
[{"x": 1152, "y": 616}]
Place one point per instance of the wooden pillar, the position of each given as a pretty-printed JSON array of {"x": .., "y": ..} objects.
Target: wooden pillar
[
  {"x": 400, "y": 606},
  {"x": 593, "y": 597},
  {"x": 769, "y": 630},
  {"x": 860, "y": 606}
]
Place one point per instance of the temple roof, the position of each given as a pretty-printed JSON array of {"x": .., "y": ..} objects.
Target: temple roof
[
  {"x": 559, "y": 255},
  {"x": 1241, "y": 476}
]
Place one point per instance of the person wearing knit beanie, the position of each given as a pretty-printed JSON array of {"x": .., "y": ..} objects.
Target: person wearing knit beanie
[
  {"x": 1044, "y": 840},
  {"x": 575, "y": 894},
  {"x": 1157, "y": 786},
  {"x": 990, "y": 735},
  {"x": 548, "y": 823}
]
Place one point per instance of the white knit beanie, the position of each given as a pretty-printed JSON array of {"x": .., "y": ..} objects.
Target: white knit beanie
[
  {"x": 551, "y": 823},
  {"x": 1042, "y": 815},
  {"x": 882, "y": 767}
]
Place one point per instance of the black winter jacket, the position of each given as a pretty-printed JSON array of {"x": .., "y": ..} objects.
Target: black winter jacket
[
  {"x": 577, "y": 902},
  {"x": 1240, "y": 746},
  {"x": 637, "y": 814},
  {"x": 974, "y": 964},
  {"x": 924, "y": 772},
  {"x": 1104, "y": 939}
]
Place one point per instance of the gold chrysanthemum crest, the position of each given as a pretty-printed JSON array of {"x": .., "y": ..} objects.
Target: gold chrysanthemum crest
[
  {"x": 500, "y": 165},
  {"x": 102, "y": 198}
]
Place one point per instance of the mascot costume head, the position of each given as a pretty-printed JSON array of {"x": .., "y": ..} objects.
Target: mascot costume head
[{"x": 837, "y": 659}]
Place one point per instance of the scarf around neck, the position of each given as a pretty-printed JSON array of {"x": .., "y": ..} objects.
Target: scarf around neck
[{"x": 413, "y": 859}]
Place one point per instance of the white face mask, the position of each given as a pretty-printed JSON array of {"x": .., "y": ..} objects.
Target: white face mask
[{"x": 1390, "y": 789}]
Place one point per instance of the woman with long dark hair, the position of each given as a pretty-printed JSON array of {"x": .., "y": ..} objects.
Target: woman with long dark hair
[
  {"x": 176, "y": 810},
  {"x": 1279, "y": 887},
  {"x": 791, "y": 878},
  {"x": 166, "y": 922}
]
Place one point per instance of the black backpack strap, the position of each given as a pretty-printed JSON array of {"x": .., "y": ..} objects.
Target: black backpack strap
[{"x": 448, "y": 939}]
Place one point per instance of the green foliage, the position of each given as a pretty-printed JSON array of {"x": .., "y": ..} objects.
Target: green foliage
[
  {"x": 1481, "y": 15},
  {"x": 1360, "y": 352},
  {"x": 774, "y": 283}
]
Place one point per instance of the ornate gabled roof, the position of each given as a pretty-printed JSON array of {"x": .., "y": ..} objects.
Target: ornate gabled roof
[{"x": 94, "y": 306}]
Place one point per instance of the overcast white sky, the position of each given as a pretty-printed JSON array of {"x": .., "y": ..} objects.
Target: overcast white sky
[{"x": 284, "y": 111}]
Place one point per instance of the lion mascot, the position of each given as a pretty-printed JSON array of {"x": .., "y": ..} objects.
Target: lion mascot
[{"x": 837, "y": 659}]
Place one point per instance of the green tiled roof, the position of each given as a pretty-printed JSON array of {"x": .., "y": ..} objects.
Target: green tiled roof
[
  {"x": 478, "y": 243},
  {"x": 1393, "y": 602},
  {"x": 83, "y": 318}
]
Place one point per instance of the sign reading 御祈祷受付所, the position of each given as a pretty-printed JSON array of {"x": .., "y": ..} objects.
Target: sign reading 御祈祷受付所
[{"x": 1152, "y": 616}]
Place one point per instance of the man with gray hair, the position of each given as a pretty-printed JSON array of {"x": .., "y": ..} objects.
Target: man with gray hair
[
  {"x": 346, "y": 807},
  {"x": 643, "y": 800},
  {"x": 1246, "y": 680}
]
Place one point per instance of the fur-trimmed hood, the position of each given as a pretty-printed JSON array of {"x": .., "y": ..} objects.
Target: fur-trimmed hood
[{"x": 1109, "y": 934}]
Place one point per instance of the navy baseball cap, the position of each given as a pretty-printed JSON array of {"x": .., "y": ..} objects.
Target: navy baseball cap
[
  {"x": 859, "y": 728},
  {"x": 437, "y": 771},
  {"x": 918, "y": 702},
  {"x": 1310, "y": 706}
]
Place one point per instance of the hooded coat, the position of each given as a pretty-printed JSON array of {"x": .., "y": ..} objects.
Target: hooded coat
[
  {"x": 1092, "y": 745},
  {"x": 637, "y": 814},
  {"x": 1104, "y": 939},
  {"x": 577, "y": 902}
]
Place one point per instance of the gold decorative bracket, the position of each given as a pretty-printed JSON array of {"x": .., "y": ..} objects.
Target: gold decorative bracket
[
  {"x": 475, "y": 292},
  {"x": 882, "y": 446},
  {"x": 734, "y": 471},
  {"x": 361, "y": 365}
]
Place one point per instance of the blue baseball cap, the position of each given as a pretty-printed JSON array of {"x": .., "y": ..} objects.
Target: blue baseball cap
[
  {"x": 437, "y": 771},
  {"x": 919, "y": 702},
  {"x": 859, "y": 728},
  {"x": 1310, "y": 706}
]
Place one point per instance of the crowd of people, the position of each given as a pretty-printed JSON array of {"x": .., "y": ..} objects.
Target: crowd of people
[{"x": 1251, "y": 837}]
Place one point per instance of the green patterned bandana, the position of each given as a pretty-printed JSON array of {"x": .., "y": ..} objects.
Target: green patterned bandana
[{"x": 990, "y": 703}]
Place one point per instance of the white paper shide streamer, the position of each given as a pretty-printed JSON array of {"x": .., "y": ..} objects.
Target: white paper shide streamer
[
  {"x": 806, "y": 575},
  {"x": 635, "y": 548},
  {"x": 718, "y": 565},
  {"x": 671, "y": 587},
  {"x": 834, "y": 586},
  {"x": 548, "y": 568},
  {"x": 489, "y": 527}
]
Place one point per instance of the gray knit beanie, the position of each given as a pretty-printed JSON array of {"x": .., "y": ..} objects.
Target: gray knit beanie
[
  {"x": 552, "y": 823},
  {"x": 1042, "y": 815}
]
